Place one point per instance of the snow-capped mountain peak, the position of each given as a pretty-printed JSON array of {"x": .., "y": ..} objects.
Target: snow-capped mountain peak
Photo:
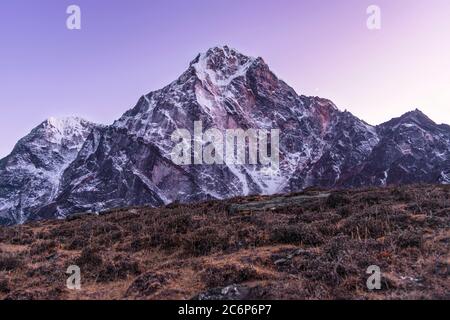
[
  {"x": 31, "y": 174},
  {"x": 66, "y": 129},
  {"x": 64, "y": 124},
  {"x": 221, "y": 65},
  {"x": 67, "y": 165}
]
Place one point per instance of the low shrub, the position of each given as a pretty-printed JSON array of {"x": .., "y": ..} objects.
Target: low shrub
[
  {"x": 296, "y": 234},
  {"x": 227, "y": 275},
  {"x": 205, "y": 240},
  {"x": 9, "y": 262}
]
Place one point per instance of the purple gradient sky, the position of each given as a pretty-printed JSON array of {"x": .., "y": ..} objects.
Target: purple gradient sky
[{"x": 128, "y": 48}]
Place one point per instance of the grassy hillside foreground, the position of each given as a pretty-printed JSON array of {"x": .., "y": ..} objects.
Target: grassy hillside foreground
[{"x": 313, "y": 245}]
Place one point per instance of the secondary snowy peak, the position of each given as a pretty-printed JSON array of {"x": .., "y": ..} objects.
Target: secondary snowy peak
[
  {"x": 412, "y": 148},
  {"x": 30, "y": 175},
  {"x": 413, "y": 119},
  {"x": 67, "y": 125},
  {"x": 54, "y": 138},
  {"x": 64, "y": 123},
  {"x": 66, "y": 130}
]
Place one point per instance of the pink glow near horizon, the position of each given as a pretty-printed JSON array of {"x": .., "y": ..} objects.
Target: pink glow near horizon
[{"x": 128, "y": 48}]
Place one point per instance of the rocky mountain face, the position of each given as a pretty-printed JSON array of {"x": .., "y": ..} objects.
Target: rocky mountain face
[
  {"x": 31, "y": 174},
  {"x": 412, "y": 149},
  {"x": 129, "y": 162}
]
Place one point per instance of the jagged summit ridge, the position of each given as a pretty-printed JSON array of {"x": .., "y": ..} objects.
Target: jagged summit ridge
[{"x": 221, "y": 65}]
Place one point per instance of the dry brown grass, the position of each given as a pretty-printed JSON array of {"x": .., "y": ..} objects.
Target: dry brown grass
[{"x": 319, "y": 250}]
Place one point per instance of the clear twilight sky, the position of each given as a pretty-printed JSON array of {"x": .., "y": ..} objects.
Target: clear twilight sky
[{"x": 127, "y": 48}]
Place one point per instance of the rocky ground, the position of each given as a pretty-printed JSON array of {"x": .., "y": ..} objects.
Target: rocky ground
[{"x": 310, "y": 245}]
